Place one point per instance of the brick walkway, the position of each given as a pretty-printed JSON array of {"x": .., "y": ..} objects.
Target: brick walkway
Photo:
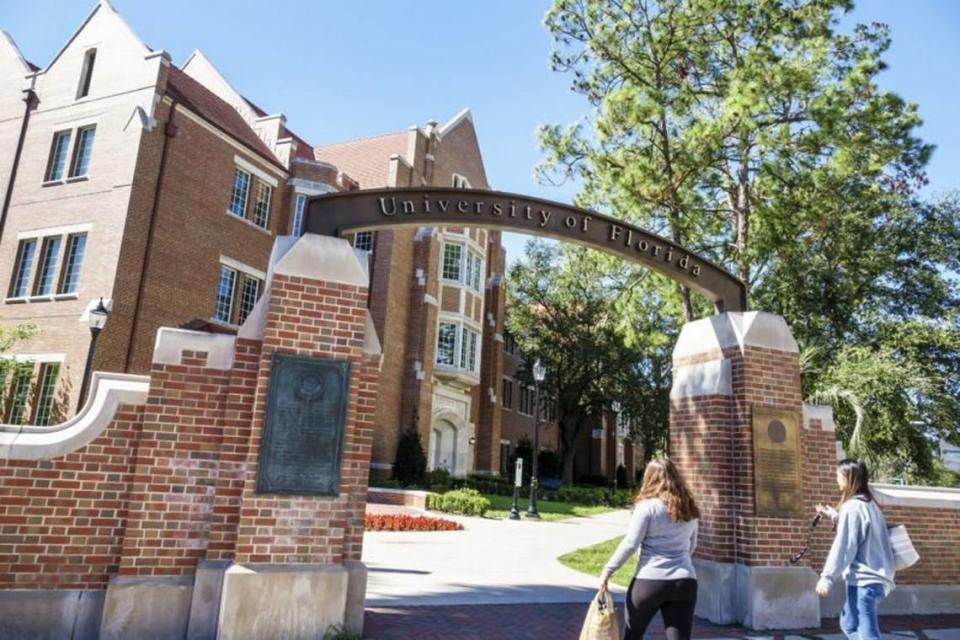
[{"x": 562, "y": 622}]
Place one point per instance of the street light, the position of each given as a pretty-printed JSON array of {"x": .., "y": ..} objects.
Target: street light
[
  {"x": 539, "y": 373},
  {"x": 615, "y": 407},
  {"x": 97, "y": 317}
]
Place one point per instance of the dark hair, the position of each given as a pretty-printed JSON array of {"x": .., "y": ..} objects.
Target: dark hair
[{"x": 856, "y": 479}]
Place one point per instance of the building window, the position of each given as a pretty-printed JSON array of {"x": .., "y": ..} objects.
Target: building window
[
  {"x": 223, "y": 310},
  {"x": 48, "y": 266},
  {"x": 452, "y": 261},
  {"x": 526, "y": 400},
  {"x": 468, "y": 350},
  {"x": 509, "y": 344},
  {"x": 237, "y": 294},
  {"x": 474, "y": 270},
  {"x": 506, "y": 396},
  {"x": 238, "y": 197},
  {"x": 20, "y": 286},
  {"x": 19, "y": 390},
  {"x": 447, "y": 343},
  {"x": 58, "y": 155},
  {"x": 298, "y": 209},
  {"x": 87, "y": 73},
  {"x": 460, "y": 182},
  {"x": 261, "y": 208},
  {"x": 46, "y": 386},
  {"x": 363, "y": 240},
  {"x": 81, "y": 152},
  {"x": 76, "y": 244},
  {"x": 248, "y": 297}
]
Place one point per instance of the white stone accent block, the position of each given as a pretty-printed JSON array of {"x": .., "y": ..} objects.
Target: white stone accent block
[
  {"x": 735, "y": 329},
  {"x": 107, "y": 392},
  {"x": 821, "y": 412},
  {"x": 323, "y": 258},
  {"x": 171, "y": 343},
  {"x": 703, "y": 379}
]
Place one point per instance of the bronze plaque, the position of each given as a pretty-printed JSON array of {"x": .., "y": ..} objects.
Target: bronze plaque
[
  {"x": 301, "y": 448},
  {"x": 778, "y": 483}
]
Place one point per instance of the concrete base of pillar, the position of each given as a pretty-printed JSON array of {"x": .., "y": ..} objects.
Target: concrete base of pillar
[
  {"x": 757, "y": 597},
  {"x": 53, "y": 614},
  {"x": 205, "y": 603},
  {"x": 262, "y": 602},
  {"x": 147, "y": 608},
  {"x": 356, "y": 595}
]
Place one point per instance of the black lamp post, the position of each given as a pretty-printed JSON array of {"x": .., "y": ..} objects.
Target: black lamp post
[
  {"x": 615, "y": 408},
  {"x": 97, "y": 318},
  {"x": 539, "y": 373}
]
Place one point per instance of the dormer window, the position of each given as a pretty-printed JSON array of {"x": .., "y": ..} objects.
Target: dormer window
[
  {"x": 460, "y": 182},
  {"x": 86, "y": 73}
]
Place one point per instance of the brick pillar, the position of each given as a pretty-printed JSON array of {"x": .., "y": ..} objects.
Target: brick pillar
[
  {"x": 725, "y": 366},
  {"x": 298, "y": 568}
]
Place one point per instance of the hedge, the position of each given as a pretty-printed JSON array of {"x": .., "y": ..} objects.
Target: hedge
[{"x": 467, "y": 502}]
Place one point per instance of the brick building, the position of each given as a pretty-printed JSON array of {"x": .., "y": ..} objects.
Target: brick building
[{"x": 162, "y": 189}]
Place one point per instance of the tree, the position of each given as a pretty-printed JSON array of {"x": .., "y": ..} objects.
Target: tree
[
  {"x": 12, "y": 371},
  {"x": 756, "y": 134},
  {"x": 560, "y": 312},
  {"x": 410, "y": 462}
]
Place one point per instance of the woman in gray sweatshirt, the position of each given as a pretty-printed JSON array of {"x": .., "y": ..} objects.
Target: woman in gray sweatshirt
[
  {"x": 664, "y": 528},
  {"x": 861, "y": 553}
]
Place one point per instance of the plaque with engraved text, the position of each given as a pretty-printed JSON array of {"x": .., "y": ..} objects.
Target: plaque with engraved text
[
  {"x": 302, "y": 443},
  {"x": 778, "y": 482}
]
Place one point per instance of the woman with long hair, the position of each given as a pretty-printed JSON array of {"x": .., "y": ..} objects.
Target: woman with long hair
[
  {"x": 664, "y": 528},
  {"x": 861, "y": 552}
]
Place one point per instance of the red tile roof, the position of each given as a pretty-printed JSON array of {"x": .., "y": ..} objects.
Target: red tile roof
[
  {"x": 216, "y": 111},
  {"x": 366, "y": 160}
]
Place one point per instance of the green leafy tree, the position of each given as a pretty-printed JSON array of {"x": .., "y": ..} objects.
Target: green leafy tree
[
  {"x": 12, "y": 372},
  {"x": 561, "y": 312},
  {"x": 756, "y": 134}
]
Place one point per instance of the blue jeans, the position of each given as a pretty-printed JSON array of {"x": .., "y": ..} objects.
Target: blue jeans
[{"x": 858, "y": 620}]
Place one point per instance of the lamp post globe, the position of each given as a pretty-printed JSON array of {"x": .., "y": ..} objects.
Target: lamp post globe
[
  {"x": 96, "y": 318},
  {"x": 539, "y": 374}
]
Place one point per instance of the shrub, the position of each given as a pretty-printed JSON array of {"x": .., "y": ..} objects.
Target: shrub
[
  {"x": 621, "y": 476},
  {"x": 410, "y": 463},
  {"x": 438, "y": 479},
  {"x": 403, "y": 522},
  {"x": 467, "y": 502}
]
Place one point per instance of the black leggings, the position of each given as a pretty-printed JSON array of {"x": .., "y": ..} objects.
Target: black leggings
[{"x": 675, "y": 599}]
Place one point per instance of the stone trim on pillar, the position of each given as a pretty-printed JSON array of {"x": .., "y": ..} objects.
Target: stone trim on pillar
[{"x": 724, "y": 366}]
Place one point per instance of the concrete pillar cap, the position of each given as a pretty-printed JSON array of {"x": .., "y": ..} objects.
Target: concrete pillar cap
[{"x": 739, "y": 329}]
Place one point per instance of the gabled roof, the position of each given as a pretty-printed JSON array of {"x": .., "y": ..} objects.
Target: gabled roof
[
  {"x": 366, "y": 160},
  {"x": 7, "y": 41},
  {"x": 102, "y": 5},
  {"x": 214, "y": 110}
]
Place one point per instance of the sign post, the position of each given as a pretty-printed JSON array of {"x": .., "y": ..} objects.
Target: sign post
[{"x": 517, "y": 483}]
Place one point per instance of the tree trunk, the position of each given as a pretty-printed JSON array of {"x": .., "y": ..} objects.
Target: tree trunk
[{"x": 566, "y": 469}]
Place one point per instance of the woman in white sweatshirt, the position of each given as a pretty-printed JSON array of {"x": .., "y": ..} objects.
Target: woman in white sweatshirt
[
  {"x": 861, "y": 553},
  {"x": 664, "y": 528}
]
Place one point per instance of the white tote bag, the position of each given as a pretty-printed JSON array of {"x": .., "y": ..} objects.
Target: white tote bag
[{"x": 904, "y": 555}]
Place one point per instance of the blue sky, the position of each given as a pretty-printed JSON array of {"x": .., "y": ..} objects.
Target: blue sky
[{"x": 342, "y": 70}]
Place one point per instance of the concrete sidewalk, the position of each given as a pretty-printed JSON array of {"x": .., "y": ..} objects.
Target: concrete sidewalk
[{"x": 489, "y": 562}]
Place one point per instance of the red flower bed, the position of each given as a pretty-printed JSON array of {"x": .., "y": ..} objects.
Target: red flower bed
[{"x": 402, "y": 522}]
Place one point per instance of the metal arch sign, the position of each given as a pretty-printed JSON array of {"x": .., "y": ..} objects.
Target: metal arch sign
[{"x": 339, "y": 213}]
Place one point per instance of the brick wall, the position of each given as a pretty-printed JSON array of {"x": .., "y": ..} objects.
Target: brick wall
[
  {"x": 62, "y": 520},
  {"x": 319, "y": 320}
]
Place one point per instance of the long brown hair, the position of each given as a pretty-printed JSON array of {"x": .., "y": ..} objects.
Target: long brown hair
[
  {"x": 662, "y": 479},
  {"x": 856, "y": 479}
]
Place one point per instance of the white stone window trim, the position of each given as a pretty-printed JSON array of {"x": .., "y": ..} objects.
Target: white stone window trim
[
  {"x": 39, "y": 358},
  {"x": 53, "y": 231},
  {"x": 249, "y": 167},
  {"x": 461, "y": 323},
  {"x": 241, "y": 266},
  {"x": 248, "y": 222}
]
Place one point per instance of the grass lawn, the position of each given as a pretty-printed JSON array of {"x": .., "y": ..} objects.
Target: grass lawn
[
  {"x": 500, "y": 508},
  {"x": 591, "y": 560}
]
